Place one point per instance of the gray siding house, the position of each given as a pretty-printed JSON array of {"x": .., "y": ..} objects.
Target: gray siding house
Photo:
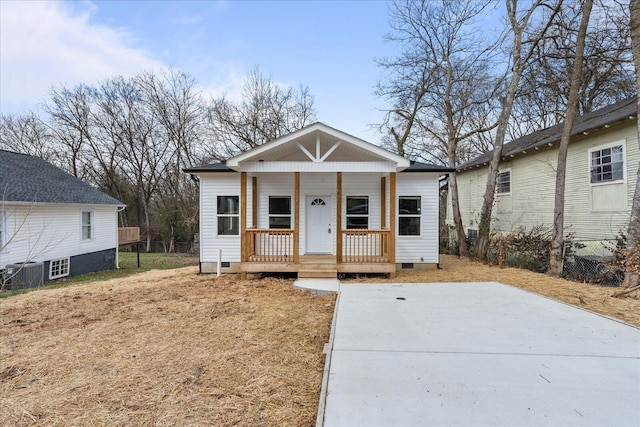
[{"x": 50, "y": 217}]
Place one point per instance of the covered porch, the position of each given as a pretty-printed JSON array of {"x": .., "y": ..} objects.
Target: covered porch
[{"x": 354, "y": 250}]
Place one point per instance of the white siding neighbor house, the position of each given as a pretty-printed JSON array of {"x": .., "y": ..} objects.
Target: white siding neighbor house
[
  {"x": 601, "y": 176},
  {"x": 318, "y": 202},
  {"x": 48, "y": 216}
]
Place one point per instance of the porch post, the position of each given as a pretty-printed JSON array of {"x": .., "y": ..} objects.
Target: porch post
[
  {"x": 243, "y": 223},
  {"x": 383, "y": 202},
  {"x": 254, "y": 202},
  {"x": 296, "y": 229},
  {"x": 392, "y": 222},
  {"x": 339, "y": 218}
]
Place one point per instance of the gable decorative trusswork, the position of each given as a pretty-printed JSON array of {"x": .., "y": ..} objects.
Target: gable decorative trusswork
[{"x": 318, "y": 148}]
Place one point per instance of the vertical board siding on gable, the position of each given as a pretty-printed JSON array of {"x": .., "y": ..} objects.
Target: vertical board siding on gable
[
  {"x": 42, "y": 233},
  {"x": 212, "y": 186},
  {"x": 423, "y": 248}
]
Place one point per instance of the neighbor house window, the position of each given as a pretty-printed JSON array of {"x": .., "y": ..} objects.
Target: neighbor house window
[
  {"x": 87, "y": 225},
  {"x": 607, "y": 164},
  {"x": 357, "y": 212},
  {"x": 503, "y": 183},
  {"x": 409, "y": 215},
  {"x": 279, "y": 211},
  {"x": 58, "y": 268},
  {"x": 228, "y": 215}
]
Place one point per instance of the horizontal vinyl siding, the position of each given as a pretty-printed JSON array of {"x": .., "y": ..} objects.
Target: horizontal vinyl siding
[
  {"x": 43, "y": 233},
  {"x": 212, "y": 186},
  {"x": 423, "y": 248},
  {"x": 533, "y": 175}
]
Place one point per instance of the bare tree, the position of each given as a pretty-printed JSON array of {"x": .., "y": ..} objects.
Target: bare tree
[
  {"x": 524, "y": 42},
  {"x": 265, "y": 112},
  {"x": 27, "y": 134},
  {"x": 557, "y": 237},
  {"x": 633, "y": 231},
  {"x": 438, "y": 85}
]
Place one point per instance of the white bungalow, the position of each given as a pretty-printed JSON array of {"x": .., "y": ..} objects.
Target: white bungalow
[{"x": 318, "y": 202}]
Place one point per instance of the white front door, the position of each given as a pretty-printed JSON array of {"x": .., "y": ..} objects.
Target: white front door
[{"x": 318, "y": 225}]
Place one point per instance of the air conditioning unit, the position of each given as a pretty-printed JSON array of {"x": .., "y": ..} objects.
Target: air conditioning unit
[{"x": 24, "y": 275}]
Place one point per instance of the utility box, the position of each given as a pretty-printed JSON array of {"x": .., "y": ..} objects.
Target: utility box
[{"x": 24, "y": 275}]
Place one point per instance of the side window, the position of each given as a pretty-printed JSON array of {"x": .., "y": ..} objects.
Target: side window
[
  {"x": 503, "y": 182},
  {"x": 606, "y": 164},
  {"x": 228, "y": 215},
  {"x": 357, "y": 212},
  {"x": 87, "y": 225},
  {"x": 279, "y": 211},
  {"x": 409, "y": 215}
]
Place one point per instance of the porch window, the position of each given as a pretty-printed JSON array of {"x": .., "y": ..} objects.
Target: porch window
[
  {"x": 280, "y": 212},
  {"x": 228, "y": 215},
  {"x": 409, "y": 215},
  {"x": 357, "y": 212}
]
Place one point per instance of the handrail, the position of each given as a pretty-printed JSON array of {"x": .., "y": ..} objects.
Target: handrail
[
  {"x": 365, "y": 246},
  {"x": 269, "y": 245}
]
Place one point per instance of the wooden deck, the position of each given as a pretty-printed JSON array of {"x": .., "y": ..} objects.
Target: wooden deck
[{"x": 318, "y": 266}]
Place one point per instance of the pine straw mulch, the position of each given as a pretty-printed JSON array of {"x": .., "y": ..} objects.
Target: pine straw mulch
[
  {"x": 163, "y": 348},
  {"x": 584, "y": 295}
]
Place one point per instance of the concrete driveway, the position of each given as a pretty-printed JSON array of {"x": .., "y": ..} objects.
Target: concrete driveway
[{"x": 476, "y": 354}]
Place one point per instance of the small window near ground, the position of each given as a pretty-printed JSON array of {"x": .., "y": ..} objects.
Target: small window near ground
[
  {"x": 607, "y": 164},
  {"x": 228, "y": 215},
  {"x": 58, "y": 268},
  {"x": 409, "y": 214},
  {"x": 87, "y": 225},
  {"x": 503, "y": 183},
  {"x": 357, "y": 212},
  {"x": 280, "y": 212}
]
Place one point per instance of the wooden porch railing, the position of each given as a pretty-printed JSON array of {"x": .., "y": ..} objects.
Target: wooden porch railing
[
  {"x": 128, "y": 235},
  {"x": 271, "y": 245},
  {"x": 365, "y": 246}
]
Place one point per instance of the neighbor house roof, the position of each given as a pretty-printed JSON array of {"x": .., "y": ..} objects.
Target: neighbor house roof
[
  {"x": 29, "y": 179},
  {"x": 622, "y": 110}
]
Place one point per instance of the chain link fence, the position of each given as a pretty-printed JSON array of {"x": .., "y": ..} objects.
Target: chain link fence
[
  {"x": 587, "y": 261},
  {"x": 592, "y": 261}
]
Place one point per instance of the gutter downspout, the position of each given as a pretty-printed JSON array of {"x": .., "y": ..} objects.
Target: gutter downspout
[{"x": 118, "y": 210}]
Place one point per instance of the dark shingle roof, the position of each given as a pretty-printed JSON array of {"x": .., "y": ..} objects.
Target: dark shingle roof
[
  {"x": 213, "y": 167},
  {"x": 30, "y": 179},
  {"x": 595, "y": 119},
  {"x": 415, "y": 167}
]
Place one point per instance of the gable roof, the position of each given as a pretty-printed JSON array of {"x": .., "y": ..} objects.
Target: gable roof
[
  {"x": 619, "y": 111},
  {"x": 317, "y": 143},
  {"x": 30, "y": 179},
  {"x": 320, "y": 140}
]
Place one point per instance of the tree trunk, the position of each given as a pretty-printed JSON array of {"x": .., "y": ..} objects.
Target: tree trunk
[
  {"x": 557, "y": 236},
  {"x": 457, "y": 219},
  {"x": 633, "y": 231}
]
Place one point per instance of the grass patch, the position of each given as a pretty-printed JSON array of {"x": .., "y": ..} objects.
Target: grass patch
[{"x": 128, "y": 266}]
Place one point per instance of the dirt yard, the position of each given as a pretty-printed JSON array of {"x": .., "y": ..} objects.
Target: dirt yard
[{"x": 174, "y": 348}]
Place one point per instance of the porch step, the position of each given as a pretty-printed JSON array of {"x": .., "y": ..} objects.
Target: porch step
[{"x": 318, "y": 273}]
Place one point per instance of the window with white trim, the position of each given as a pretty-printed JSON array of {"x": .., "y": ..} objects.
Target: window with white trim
[
  {"x": 607, "y": 164},
  {"x": 279, "y": 211},
  {"x": 358, "y": 212},
  {"x": 58, "y": 268},
  {"x": 228, "y": 215},
  {"x": 87, "y": 225},
  {"x": 409, "y": 208},
  {"x": 503, "y": 182}
]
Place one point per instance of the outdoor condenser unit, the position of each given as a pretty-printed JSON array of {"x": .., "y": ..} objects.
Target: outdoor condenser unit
[{"x": 24, "y": 275}]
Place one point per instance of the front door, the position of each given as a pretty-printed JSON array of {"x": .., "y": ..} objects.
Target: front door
[{"x": 319, "y": 233}]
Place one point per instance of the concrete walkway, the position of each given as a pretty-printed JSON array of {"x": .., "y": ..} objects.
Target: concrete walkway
[{"x": 481, "y": 354}]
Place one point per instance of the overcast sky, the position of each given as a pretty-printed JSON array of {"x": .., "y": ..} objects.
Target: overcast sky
[{"x": 329, "y": 46}]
